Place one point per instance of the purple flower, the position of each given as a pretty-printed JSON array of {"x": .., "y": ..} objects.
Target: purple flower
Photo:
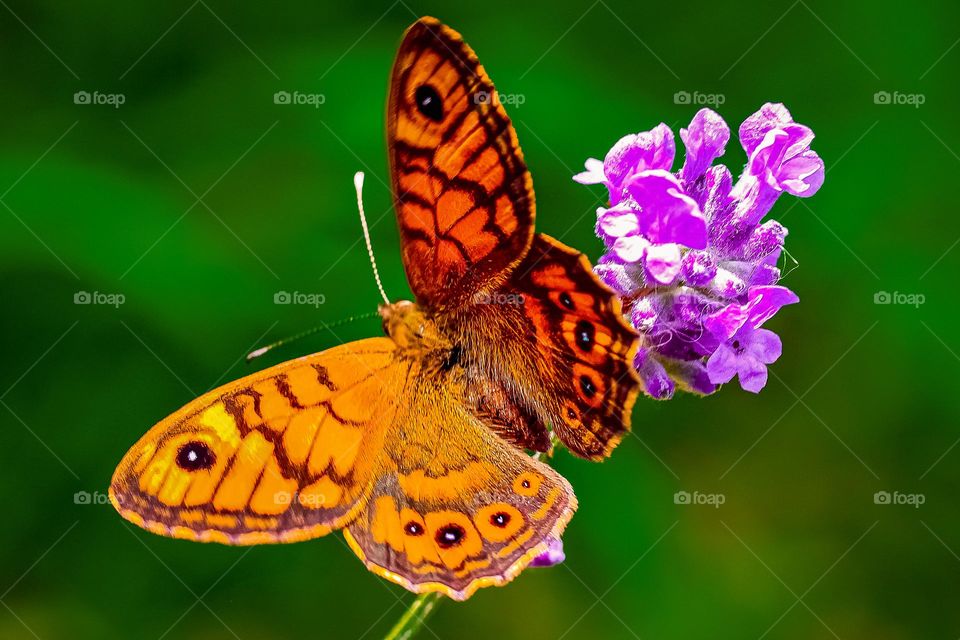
[
  {"x": 704, "y": 141},
  {"x": 631, "y": 154},
  {"x": 779, "y": 159},
  {"x": 745, "y": 349},
  {"x": 550, "y": 556},
  {"x": 656, "y": 382},
  {"x": 667, "y": 214},
  {"x": 689, "y": 253},
  {"x": 746, "y": 355},
  {"x": 652, "y": 221}
]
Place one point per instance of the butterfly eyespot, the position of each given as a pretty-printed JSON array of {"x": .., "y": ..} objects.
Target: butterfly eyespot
[
  {"x": 499, "y": 522},
  {"x": 500, "y": 519},
  {"x": 571, "y": 413},
  {"x": 584, "y": 334},
  {"x": 587, "y": 387},
  {"x": 450, "y": 535},
  {"x": 527, "y": 484},
  {"x": 428, "y": 102},
  {"x": 566, "y": 300},
  {"x": 413, "y": 528},
  {"x": 195, "y": 456}
]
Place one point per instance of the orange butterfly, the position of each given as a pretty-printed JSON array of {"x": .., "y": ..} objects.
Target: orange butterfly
[{"x": 414, "y": 443}]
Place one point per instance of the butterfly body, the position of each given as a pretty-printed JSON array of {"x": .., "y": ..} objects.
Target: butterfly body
[{"x": 415, "y": 444}]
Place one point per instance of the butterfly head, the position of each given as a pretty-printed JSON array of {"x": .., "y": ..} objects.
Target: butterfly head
[{"x": 410, "y": 327}]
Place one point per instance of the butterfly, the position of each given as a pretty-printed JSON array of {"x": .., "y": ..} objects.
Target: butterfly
[{"x": 415, "y": 444}]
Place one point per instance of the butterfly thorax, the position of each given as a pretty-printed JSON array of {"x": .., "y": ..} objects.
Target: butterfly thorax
[{"x": 407, "y": 325}]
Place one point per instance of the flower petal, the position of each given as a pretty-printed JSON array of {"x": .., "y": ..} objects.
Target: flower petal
[
  {"x": 769, "y": 116},
  {"x": 752, "y": 374},
  {"x": 722, "y": 365},
  {"x": 593, "y": 174},
  {"x": 663, "y": 262},
  {"x": 802, "y": 175},
  {"x": 638, "y": 152},
  {"x": 667, "y": 214},
  {"x": 724, "y": 324},
  {"x": 630, "y": 248},
  {"x": 765, "y": 346},
  {"x": 552, "y": 555},
  {"x": 705, "y": 141},
  {"x": 618, "y": 221},
  {"x": 764, "y": 301},
  {"x": 656, "y": 383}
]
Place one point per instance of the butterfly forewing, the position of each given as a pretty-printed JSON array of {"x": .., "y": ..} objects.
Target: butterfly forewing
[
  {"x": 463, "y": 195},
  {"x": 285, "y": 454}
]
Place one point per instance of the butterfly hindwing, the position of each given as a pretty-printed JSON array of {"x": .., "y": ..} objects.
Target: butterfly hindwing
[
  {"x": 453, "y": 519},
  {"x": 552, "y": 346},
  {"x": 580, "y": 330},
  {"x": 282, "y": 455},
  {"x": 464, "y": 197}
]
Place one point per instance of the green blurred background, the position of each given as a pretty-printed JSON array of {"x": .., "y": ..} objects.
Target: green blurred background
[{"x": 198, "y": 199}]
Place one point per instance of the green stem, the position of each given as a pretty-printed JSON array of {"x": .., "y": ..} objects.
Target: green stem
[{"x": 415, "y": 617}]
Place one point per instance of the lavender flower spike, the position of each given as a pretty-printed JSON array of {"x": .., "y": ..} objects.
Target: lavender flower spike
[{"x": 689, "y": 252}]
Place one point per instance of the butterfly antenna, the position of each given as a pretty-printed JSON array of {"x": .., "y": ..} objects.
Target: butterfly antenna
[
  {"x": 256, "y": 353},
  {"x": 358, "y": 184}
]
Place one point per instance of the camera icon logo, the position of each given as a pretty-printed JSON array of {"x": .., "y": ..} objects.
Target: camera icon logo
[
  {"x": 681, "y": 497},
  {"x": 281, "y": 97},
  {"x": 882, "y": 297},
  {"x": 282, "y": 497},
  {"x": 81, "y": 97},
  {"x": 82, "y": 297},
  {"x": 282, "y": 297},
  {"x": 82, "y": 497},
  {"x": 881, "y": 497},
  {"x": 482, "y": 97},
  {"x": 881, "y": 97},
  {"x": 682, "y": 97}
]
